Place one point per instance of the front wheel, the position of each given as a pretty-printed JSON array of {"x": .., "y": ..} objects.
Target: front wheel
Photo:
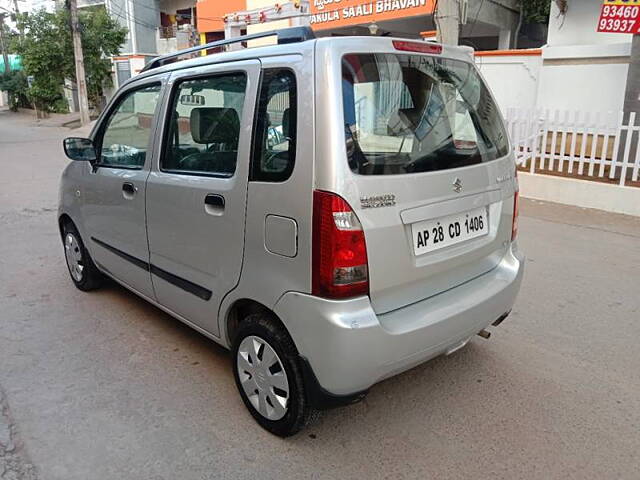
[
  {"x": 269, "y": 378},
  {"x": 84, "y": 274}
]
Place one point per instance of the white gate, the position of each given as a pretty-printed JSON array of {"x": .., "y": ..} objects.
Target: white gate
[{"x": 601, "y": 146}]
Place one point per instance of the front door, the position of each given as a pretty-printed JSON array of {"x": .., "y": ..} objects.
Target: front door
[
  {"x": 113, "y": 209},
  {"x": 196, "y": 193}
]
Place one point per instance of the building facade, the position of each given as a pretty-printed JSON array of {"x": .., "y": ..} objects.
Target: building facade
[
  {"x": 157, "y": 27},
  {"x": 578, "y": 68},
  {"x": 488, "y": 25},
  {"x": 154, "y": 27}
]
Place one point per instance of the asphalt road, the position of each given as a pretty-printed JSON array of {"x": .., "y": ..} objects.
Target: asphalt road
[{"x": 104, "y": 386}]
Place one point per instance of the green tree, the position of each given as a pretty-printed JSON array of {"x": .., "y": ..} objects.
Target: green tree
[
  {"x": 44, "y": 58},
  {"x": 536, "y": 11},
  {"x": 102, "y": 38},
  {"x": 9, "y": 35},
  {"x": 15, "y": 84},
  {"x": 47, "y": 53}
]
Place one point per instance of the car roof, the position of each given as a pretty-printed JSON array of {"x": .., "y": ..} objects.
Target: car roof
[{"x": 383, "y": 43}]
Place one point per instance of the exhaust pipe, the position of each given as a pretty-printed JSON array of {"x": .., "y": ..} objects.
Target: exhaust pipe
[{"x": 484, "y": 334}]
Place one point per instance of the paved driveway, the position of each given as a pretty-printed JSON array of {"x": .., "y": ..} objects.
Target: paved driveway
[{"x": 105, "y": 386}]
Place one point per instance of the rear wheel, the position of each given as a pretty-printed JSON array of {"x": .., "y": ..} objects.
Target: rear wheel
[
  {"x": 84, "y": 274},
  {"x": 268, "y": 375}
]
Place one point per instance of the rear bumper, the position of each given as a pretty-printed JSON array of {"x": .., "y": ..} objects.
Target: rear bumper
[{"x": 349, "y": 347}]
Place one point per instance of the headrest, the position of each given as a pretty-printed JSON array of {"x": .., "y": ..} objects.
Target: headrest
[
  {"x": 285, "y": 123},
  {"x": 404, "y": 122},
  {"x": 215, "y": 125}
]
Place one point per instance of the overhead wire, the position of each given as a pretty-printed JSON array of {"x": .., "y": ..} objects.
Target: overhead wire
[
  {"x": 270, "y": 9},
  {"x": 124, "y": 15},
  {"x": 436, "y": 21},
  {"x": 158, "y": 10},
  {"x": 475, "y": 20}
]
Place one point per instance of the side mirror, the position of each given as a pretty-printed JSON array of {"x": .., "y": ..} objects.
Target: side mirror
[{"x": 80, "y": 149}]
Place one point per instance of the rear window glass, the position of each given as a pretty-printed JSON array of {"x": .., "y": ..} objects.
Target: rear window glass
[{"x": 414, "y": 113}]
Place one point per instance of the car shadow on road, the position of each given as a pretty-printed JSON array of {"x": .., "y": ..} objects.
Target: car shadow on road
[
  {"x": 174, "y": 326},
  {"x": 437, "y": 387}
]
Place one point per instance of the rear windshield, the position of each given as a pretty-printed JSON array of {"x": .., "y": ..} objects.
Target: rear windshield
[{"x": 414, "y": 113}]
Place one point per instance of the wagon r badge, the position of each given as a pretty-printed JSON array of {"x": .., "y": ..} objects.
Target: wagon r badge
[
  {"x": 388, "y": 200},
  {"x": 503, "y": 178},
  {"x": 457, "y": 185}
]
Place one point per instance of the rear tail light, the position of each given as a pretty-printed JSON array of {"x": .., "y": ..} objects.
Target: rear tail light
[
  {"x": 339, "y": 249},
  {"x": 420, "y": 47},
  {"x": 516, "y": 212}
]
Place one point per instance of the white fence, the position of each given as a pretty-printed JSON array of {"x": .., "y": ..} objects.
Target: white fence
[{"x": 601, "y": 146}]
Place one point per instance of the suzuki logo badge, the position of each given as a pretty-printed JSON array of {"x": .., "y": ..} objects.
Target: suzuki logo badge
[{"x": 457, "y": 185}]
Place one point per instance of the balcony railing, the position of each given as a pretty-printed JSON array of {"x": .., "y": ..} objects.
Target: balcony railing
[{"x": 168, "y": 32}]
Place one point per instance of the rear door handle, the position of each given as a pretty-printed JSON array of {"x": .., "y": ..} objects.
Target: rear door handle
[
  {"x": 214, "y": 204},
  {"x": 128, "y": 189}
]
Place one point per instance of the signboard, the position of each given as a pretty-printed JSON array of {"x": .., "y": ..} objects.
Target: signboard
[
  {"x": 620, "y": 16},
  {"x": 343, "y": 13}
]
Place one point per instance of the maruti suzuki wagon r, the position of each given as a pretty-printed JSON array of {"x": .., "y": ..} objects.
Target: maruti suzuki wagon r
[{"x": 334, "y": 211}]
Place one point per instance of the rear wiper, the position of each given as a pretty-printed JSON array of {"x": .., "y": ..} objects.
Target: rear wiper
[{"x": 421, "y": 159}]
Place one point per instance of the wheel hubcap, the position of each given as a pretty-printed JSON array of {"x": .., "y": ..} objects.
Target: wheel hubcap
[
  {"x": 263, "y": 377},
  {"x": 73, "y": 254}
]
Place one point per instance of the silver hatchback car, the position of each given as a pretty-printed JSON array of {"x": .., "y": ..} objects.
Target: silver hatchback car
[{"x": 335, "y": 210}]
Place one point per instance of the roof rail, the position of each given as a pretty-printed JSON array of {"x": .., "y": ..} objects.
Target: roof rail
[{"x": 285, "y": 35}]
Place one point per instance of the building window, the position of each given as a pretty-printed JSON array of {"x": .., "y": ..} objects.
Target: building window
[{"x": 123, "y": 71}]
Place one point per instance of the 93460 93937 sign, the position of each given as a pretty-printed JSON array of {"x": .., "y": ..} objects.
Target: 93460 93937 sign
[{"x": 619, "y": 16}]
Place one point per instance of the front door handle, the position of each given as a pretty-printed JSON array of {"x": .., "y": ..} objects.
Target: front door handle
[
  {"x": 128, "y": 190},
  {"x": 214, "y": 204}
]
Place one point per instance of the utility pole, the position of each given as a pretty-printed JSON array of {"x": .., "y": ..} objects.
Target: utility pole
[
  {"x": 15, "y": 6},
  {"x": 81, "y": 81},
  {"x": 3, "y": 44},
  {"x": 447, "y": 20},
  {"x": 631, "y": 98},
  {"x": 632, "y": 91}
]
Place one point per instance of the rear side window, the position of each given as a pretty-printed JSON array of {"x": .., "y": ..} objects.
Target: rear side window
[
  {"x": 413, "y": 113},
  {"x": 275, "y": 133},
  {"x": 204, "y": 127}
]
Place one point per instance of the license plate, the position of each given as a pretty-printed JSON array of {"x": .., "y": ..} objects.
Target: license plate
[{"x": 431, "y": 235}]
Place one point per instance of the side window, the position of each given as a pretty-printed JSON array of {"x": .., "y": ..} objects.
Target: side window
[
  {"x": 204, "y": 127},
  {"x": 274, "y": 148},
  {"x": 128, "y": 128}
]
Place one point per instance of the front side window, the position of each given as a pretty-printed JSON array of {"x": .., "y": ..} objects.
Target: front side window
[
  {"x": 204, "y": 127},
  {"x": 413, "y": 113},
  {"x": 128, "y": 129},
  {"x": 275, "y": 134}
]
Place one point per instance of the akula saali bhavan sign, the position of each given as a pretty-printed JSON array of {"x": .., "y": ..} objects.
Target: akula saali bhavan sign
[{"x": 342, "y": 13}]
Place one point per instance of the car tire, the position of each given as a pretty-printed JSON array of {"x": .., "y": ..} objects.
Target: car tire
[
  {"x": 83, "y": 272},
  {"x": 263, "y": 352}
]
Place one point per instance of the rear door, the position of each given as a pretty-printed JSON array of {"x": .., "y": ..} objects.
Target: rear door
[
  {"x": 196, "y": 193},
  {"x": 429, "y": 172}
]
